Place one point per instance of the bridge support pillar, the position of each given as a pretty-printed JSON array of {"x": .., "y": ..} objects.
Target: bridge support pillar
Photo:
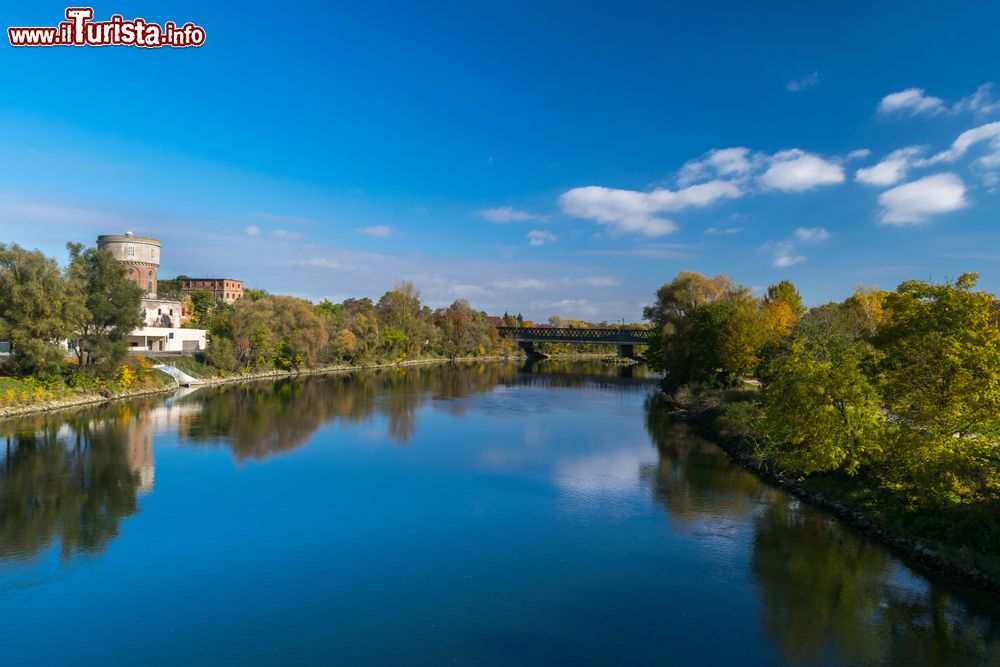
[
  {"x": 626, "y": 350},
  {"x": 529, "y": 349}
]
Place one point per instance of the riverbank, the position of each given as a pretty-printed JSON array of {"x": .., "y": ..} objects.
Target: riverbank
[
  {"x": 937, "y": 540},
  {"x": 100, "y": 398}
]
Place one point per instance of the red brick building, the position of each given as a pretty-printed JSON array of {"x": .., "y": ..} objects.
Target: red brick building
[{"x": 223, "y": 289}]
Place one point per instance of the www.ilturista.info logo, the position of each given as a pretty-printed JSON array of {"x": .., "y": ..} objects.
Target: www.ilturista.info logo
[{"x": 81, "y": 30}]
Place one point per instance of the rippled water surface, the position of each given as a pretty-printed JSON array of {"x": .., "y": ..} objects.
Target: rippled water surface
[{"x": 488, "y": 515}]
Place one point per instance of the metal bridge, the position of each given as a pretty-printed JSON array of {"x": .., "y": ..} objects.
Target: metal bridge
[{"x": 625, "y": 339}]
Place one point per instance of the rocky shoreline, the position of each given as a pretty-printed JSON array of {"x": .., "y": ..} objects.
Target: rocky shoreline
[{"x": 910, "y": 549}]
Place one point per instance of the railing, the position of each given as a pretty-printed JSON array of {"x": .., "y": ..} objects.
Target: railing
[{"x": 580, "y": 335}]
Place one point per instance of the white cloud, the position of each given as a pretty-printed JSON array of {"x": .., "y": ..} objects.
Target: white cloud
[
  {"x": 979, "y": 102},
  {"x": 540, "y": 237},
  {"x": 890, "y": 170},
  {"x": 915, "y": 202},
  {"x": 783, "y": 260},
  {"x": 601, "y": 281},
  {"x": 859, "y": 154},
  {"x": 730, "y": 162},
  {"x": 784, "y": 255},
  {"x": 990, "y": 132},
  {"x": 287, "y": 235},
  {"x": 381, "y": 231},
  {"x": 631, "y": 211},
  {"x": 911, "y": 101},
  {"x": 914, "y": 101},
  {"x": 578, "y": 307},
  {"x": 723, "y": 231},
  {"x": 806, "y": 82},
  {"x": 506, "y": 214},
  {"x": 520, "y": 283},
  {"x": 252, "y": 230},
  {"x": 321, "y": 262},
  {"x": 796, "y": 171},
  {"x": 811, "y": 234}
]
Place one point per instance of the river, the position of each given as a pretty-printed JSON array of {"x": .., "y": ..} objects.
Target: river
[{"x": 475, "y": 514}]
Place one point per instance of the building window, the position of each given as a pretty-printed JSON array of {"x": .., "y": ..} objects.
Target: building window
[
  {"x": 131, "y": 271},
  {"x": 149, "y": 288},
  {"x": 130, "y": 250},
  {"x": 159, "y": 311}
]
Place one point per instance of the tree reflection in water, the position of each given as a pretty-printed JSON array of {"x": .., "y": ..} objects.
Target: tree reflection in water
[
  {"x": 827, "y": 595},
  {"x": 259, "y": 419},
  {"x": 68, "y": 480}
]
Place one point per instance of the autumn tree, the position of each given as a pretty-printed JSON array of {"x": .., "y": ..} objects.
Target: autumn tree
[
  {"x": 785, "y": 292},
  {"x": 278, "y": 330}
]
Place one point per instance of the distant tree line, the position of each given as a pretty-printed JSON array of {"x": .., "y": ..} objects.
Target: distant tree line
[{"x": 262, "y": 330}]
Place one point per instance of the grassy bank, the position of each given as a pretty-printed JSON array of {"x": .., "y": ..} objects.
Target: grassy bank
[
  {"x": 31, "y": 395},
  {"x": 960, "y": 541}
]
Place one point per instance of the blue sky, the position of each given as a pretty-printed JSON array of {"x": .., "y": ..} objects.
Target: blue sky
[{"x": 541, "y": 157}]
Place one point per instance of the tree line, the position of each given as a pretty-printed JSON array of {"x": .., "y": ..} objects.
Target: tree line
[
  {"x": 262, "y": 330},
  {"x": 93, "y": 306},
  {"x": 900, "y": 388}
]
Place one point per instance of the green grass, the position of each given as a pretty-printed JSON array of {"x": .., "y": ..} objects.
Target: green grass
[{"x": 191, "y": 366}]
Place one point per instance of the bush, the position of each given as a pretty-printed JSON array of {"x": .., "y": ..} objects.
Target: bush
[{"x": 742, "y": 419}]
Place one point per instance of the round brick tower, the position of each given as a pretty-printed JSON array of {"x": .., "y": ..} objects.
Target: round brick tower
[{"x": 140, "y": 255}]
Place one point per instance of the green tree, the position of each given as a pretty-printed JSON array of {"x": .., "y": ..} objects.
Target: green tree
[
  {"x": 691, "y": 314},
  {"x": 202, "y": 305},
  {"x": 33, "y": 308},
  {"x": 785, "y": 292},
  {"x": 108, "y": 307},
  {"x": 822, "y": 411},
  {"x": 939, "y": 372}
]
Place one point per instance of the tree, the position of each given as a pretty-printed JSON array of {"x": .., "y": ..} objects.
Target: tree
[
  {"x": 202, "y": 304},
  {"x": 822, "y": 411},
  {"x": 401, "y": 310},
  {"x": 108, "y": 307},
  {"x": 742, "y": 336},
  {"x": 691, "y": 314},
  {"x": 940, "y": 373},
  {"x": 785, "y": 292},
  {"x": 464, "y": 331},
  {"x": 279, "y": 330},
  {"x": 867, "y": 308},
  {"x": 33, "y": 308}
]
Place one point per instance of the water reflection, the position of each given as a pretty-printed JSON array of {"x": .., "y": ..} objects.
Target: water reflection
[
  {"x": 259, "y": 419},
  {"x": 827, "y": 596},
  {"x": 70, "y": 481},
  {"x": 547, "y": 505}
]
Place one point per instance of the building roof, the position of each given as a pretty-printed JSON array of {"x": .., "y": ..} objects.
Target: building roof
[
  {"x": 235, "y": 280},
  {"x": 126, "y": 238}
]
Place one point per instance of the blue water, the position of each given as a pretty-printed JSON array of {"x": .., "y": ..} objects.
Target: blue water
[{"x": 483, "y": 514}]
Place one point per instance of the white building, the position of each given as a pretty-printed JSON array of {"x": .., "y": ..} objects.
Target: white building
[
  {"x": 168, "y": 339},
  {"x": 162, "y": 330}
]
